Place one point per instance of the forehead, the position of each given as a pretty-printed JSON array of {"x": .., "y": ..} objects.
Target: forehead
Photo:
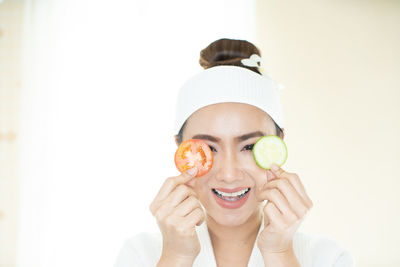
[{"x": 229, "y": 119}]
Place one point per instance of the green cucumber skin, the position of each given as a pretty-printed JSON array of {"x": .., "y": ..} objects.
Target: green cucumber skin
[{"x": 254, "y": 156}]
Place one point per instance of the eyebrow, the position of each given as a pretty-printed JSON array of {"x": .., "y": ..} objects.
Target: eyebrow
[{"x": 237, "y": 139}]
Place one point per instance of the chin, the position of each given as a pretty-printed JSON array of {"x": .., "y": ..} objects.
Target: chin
[
  {"x": 231, "y": 221},
  {"x": 230, "y": 218}
]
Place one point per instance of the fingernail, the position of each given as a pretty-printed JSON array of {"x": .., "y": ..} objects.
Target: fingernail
[
  {"x": 274, "y": 167},
  {"x": 192, "y": 171}
]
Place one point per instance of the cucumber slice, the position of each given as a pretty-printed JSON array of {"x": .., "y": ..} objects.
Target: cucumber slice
[{"x": 270, "y": 149}]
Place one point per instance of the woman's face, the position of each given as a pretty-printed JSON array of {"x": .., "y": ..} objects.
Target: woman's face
[{"x": 221, "y": 126}]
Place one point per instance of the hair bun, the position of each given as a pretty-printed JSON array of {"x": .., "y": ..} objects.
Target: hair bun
[{"x": 228, "y": 52}]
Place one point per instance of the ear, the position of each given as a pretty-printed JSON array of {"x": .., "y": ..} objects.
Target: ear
[
  {"x": 176, "y": 140},
  {"x": 283, "y": 133}
]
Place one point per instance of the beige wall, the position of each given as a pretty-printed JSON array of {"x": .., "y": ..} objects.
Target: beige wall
[
  {"x": 340, "y": 64},
  {"x": 10, "y": 56}
]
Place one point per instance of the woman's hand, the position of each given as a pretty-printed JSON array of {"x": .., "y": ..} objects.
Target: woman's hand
[
  {"x": 177, "y": 210},
  {"x": 286, "y": 208}
]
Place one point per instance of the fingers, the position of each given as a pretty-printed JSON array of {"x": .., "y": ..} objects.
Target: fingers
[
  {"x": 177, "y": 202},
  {"x": 285, "y": 197},
  {"x": 197, "y": 217},
  {"x": 277, "y": 221},
  {"x": 169, "y": 185},
  {"x": 273, "y": 215},
  {"x": 172, "y": 182},
  {"x": 179, "y": 194},
  {"x": 188, "y": 212},
  {"x": 275, "y": 196},
  {"x": 178, "y": 210},
  {"x": 282, "y": 192},
  {"x": 187, "y": 206},
  {"x": 294, "y": 179},
  {"x": 185, "y": 225}
]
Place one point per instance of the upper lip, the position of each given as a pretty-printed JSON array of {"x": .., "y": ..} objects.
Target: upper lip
[{"x": 229, "y": 190}]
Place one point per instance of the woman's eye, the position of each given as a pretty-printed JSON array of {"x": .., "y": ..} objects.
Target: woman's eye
[
  {"x": 212, "y": 148},
  {"x": 249, "y": 147}
]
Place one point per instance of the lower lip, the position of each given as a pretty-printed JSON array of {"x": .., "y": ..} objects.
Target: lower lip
[{"x": 231, "y": 204}]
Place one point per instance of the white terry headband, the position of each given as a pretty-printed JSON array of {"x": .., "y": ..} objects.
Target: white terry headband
[{"x": 224, "y": 83}]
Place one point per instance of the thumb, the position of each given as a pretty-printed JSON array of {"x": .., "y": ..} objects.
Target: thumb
[
  {"x": 270, "y": 176},
  {"x": 186, "y": 176},
  {"x": 189, "y": 174},
  {"x": 277, "y": 170}
]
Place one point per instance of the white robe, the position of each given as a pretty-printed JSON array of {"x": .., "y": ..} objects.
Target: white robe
[{"x": 311, "y": 250}]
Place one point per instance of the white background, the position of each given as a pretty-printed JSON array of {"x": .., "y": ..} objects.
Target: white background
[{"x": 97, "y": 142}]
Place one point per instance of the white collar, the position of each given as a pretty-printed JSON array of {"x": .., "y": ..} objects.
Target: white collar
[{"x": 207, "y": 257}]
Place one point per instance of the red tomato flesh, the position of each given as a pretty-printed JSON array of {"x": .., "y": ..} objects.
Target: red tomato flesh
[{"x": 194, "y": 152}]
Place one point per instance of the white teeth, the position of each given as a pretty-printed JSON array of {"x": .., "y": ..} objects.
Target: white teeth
[{"x": 234, "y": 194}]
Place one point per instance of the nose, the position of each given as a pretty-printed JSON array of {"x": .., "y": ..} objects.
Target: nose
[{"x": 228, "y": 168}]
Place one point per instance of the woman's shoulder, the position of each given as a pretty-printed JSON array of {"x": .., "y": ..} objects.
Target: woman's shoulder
[
  {"x": 321, "y": 250},
  {"x": 141, "y": 249},
  {"x": 144, "y": 249}
]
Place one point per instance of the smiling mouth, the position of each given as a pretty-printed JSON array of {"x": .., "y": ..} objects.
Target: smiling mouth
[{"x": 231, "y": 196}]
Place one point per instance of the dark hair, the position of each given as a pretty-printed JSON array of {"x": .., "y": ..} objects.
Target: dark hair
[{"x": 227, "y": 52}]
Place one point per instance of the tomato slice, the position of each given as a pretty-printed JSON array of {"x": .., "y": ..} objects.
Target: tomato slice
[{"x": 194, "y": 152}]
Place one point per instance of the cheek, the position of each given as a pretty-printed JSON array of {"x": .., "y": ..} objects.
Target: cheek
[
  {"x": 198, "y": 186},
  {"x": 258, "y": 174},
  {"x": 247, "y": 160},
  {"x": 191, "y": 183},
  {"x": 249, "y": 164},
  {"x": 260, "y": 177}
]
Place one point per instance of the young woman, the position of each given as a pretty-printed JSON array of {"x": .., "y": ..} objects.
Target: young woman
[{"x": 230, "y": 105}]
